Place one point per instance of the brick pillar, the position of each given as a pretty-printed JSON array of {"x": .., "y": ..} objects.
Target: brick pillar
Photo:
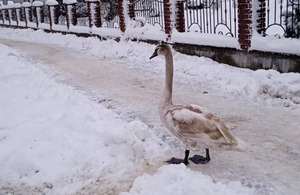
[
  {"x": 9, "y": 16},
  {"x": 50, "y": 15},
  {"x": 25, "y": 16},
  {"x": 18, "y": 11},
  {"x": 42, "y": 18},
  {"x": 35, "y": 15},
  {"x": 261, "y": 17},
  {"x": 179, "y": 17},
  {"x": 30, "y": 9},
  {"x": 56, "y": 14},
  {"x": 121, "y": 15},
  {"x": 167, "y": 17},
  {"x": 97, "y": 15},
  {"x": 245, "y": 23},
  {"x": 16, "y": 18},
  {"x": 38, "y": 14},
  {"x": 1, "y": 16},
  {"x": 74, "y": 15},
  {"x": 90, "y": 14},
  {"x": 131, "y": 12},
  {"x": 67, "y": 15}
]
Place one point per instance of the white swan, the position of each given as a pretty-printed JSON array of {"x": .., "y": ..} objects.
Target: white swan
[{"x": 195, "y": 126}]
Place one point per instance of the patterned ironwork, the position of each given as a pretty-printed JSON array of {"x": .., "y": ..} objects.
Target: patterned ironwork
[
  {"x": 151, "y": 10},
  {"x": 109, "y": 14},
  {"x": 283, "y": 18},
  {"x": 211, "y": 16}
]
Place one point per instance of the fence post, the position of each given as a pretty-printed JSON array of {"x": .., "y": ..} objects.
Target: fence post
[
  {"x": 261, "y": 17},
  {"x": 17, "y": 9},
  {"x": 245, "y": 23},
  {"x": 97, "y": 14},
  {"x": 15, "y": 13},
  {"x": 131, "y": 12},
  {"x": 167, "y": 18},
  {"x": 1, "y": 15},
  {"x": 67, "y": 15},
  {"x": 94, "y": 10},
  {"x": 26, "y": 6},
  {"x": 25, "y": 16},
  {"x": 121, "y": 15},
  {"x": 9, "y": 15},
  {"x": 90, "y": 14},
  {"x": 74, "y": 14},
  {"x": 37, "y": 12},
  {"x": 34, "y": 9},
  {"x": 50, "y": 14},
  {"x": 51, "y": 11},
  {"x": 179, "y": 19}
]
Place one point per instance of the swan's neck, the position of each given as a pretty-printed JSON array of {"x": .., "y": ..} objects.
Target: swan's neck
[{"x": 167, "y": 94}]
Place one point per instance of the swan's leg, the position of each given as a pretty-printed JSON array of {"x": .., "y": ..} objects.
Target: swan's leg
[
  {"x": 178, "y": 160},
  {"x": 197, "y": 159}
]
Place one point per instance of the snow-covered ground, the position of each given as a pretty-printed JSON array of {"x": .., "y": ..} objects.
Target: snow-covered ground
[{"x": 90, "y": 124}]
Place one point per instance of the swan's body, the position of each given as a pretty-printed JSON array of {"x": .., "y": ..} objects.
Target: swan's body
[{"x": 195, "y": 126}]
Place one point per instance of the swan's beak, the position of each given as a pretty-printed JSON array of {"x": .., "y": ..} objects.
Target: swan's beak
[{"x": 154, "y": 54}]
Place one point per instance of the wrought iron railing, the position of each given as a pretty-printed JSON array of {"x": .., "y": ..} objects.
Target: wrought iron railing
[
  {"x": 110, "y": 14},
  {"x": 151, "y": 10},
  {"x": 211, "y": 16},
  {"x": 282, "y": 18}
]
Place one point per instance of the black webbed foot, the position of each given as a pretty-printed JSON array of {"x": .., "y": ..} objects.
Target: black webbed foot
[
  {"x": 177, "y": 161},
  {"x": 197, "y": 159}
]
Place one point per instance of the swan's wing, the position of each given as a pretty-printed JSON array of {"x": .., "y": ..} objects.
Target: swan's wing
[{"x": 193, "y": 121}]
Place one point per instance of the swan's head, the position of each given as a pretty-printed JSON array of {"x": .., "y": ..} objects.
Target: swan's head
[{"x": 161, "y": 50}]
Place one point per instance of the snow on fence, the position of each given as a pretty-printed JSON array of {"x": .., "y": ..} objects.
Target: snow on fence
[{"x": 240, "y": 24}]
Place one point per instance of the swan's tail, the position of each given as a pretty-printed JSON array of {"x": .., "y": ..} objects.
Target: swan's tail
[{"x": 240, "y": 146}]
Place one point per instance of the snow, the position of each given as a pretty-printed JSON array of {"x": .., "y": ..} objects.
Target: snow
[
  {"x": 55, "y": 140},
  {"x": 37, "y": 3},
  {"x": 9, "y": 6},
  {"x": 26, "y": 4},
  {"x": 107, "y": 32},
  {"x": 17, "y": 5},
  {"x": 178, "y": 180},
  {"x": 69, "y": 2},
  {"x": 53, "y": 128},
  {"x": 257, "y": 85},
  {"x": 52, "y": 135},
  {"x": 275, "y": 44},
  {"x": 195, "y": 38},
  {"x": 51, "y": 2},
  {"x": 141, "y": 30}
]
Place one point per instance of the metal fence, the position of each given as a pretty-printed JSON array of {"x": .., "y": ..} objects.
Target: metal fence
[
  {"x": 109, "y": 14},
  {"x": 283, "y": 18},
  {"x": 151, "y": 10},
  {"x": 211, "y": 16}
]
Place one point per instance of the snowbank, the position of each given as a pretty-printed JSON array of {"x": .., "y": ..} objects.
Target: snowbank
[
  {"x": 55, "y": 140},
  {"x": 274, "y": 44},
  {"x": 141, "y": 30},
  {"x": 178, "y": 180},
  {"x": 205, "y": 39}
]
